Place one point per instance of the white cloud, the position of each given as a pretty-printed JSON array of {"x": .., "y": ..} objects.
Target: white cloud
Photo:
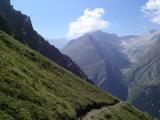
[
  {"x": 90, "y": 21},
  {"x": 152, "y": 10}
]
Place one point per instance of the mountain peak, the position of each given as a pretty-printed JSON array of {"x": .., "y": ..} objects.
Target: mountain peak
[
  {"x": 100, "y": 32},
  {"x": 152, "y": 32}
]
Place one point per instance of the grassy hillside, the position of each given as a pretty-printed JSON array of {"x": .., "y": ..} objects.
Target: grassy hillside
[
  {"x": 20, "y": 27},
  {"x": 34, "y": 88},
  {"x": 31, "y": 86}
]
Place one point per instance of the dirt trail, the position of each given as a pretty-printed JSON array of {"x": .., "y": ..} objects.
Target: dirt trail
[{"x": 93, "y": 112}]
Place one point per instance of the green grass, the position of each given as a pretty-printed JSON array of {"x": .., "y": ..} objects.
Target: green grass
[{"x": 34, "y": 88}]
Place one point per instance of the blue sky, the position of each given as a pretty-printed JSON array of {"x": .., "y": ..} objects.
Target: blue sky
[{"x": 51, "y": 18}]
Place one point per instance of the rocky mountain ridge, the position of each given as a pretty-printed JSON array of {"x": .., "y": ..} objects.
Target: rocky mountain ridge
[{"x": 20, "y": 27}]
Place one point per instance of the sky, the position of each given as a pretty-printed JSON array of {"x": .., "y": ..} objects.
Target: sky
[{"x": 72, "y": 18}]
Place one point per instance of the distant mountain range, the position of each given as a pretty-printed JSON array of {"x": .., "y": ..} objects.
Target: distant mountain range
[
  {"x": 144, "y": 78},
  {"x": 112, "y": 61},
  {"x": 136, "y": 46}
]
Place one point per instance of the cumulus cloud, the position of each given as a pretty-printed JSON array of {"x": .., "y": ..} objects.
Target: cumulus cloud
[
  {"x": 90, "y": 21},
  {"x": 152, "y": 10}
]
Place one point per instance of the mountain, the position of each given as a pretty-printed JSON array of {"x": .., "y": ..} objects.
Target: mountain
[
  {"x": 33, "y": 87},
  {"x": 110, "y": 44},
  {"x": 145, "y": 77},
  {"x": 132, "y": 60},
  {"x": 100, "y": 60},
  {"x": 135, "y": 46},
  {"x": 20, "y": 27},
  {"x": 59, "y": 43}
]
